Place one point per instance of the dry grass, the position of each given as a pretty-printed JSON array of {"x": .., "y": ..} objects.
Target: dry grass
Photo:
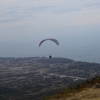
[
  {"x": 79, "y": 92},
  {"x": 86, "y": 94}
]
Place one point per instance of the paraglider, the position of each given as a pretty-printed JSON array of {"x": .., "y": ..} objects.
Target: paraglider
[
  {"x": 51, "y": 39},
  {"x": 54, "y": 40}
]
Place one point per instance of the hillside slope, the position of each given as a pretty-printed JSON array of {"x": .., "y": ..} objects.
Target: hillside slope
[
  {"x": 86, "y": 94},
  {"x": 85, "y": 91}
]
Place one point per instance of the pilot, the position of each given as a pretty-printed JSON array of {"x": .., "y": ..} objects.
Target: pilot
[{"x": 50, "y": 56}]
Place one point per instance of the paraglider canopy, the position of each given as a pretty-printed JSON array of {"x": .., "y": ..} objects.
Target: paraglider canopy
[
  {"x": 51, "y": 39},
  {"x": 54, "y": 40}
]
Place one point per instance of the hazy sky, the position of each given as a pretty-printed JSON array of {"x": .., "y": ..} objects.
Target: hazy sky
[{"x": 74, "y": 23}]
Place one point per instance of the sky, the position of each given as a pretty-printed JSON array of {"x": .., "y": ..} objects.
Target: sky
[{"x": 74, "y": 23}]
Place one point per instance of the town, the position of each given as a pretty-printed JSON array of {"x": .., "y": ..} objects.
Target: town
[{"x": 33, "y": 77}]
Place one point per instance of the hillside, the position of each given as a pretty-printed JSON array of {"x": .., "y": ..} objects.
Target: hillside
[
  {"x": 86, "y": 94},
  {"x": 84, "y": 91}
]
